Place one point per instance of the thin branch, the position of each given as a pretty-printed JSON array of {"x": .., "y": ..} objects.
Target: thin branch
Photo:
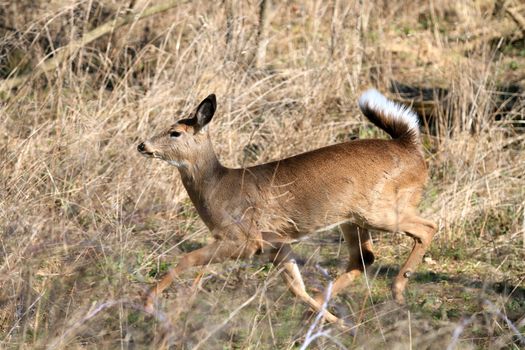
[
  {"x": 520, "y": 21},
  {"x": 310, "y": 336},
  {"x": 261, "y": 39},
  {"x": 458, "y": 330}
]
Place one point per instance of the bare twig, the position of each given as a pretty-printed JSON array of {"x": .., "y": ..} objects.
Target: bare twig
[
  {"x": 262, "y": 40},
  {"x": 515, "y": 15},
  {"x": 458, "y": 330},
  {"x": 310, "y": 335}
]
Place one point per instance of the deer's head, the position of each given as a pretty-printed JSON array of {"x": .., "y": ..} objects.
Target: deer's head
[{"x": 182, "y": 143}]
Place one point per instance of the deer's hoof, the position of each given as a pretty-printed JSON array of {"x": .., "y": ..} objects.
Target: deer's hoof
[
  {"x": 399, "y": 298},
  {"x": 148, "y": 300},
  {"x": 149, "y": 308}
]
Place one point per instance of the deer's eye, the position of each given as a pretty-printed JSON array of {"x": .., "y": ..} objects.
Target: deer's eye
[{"x": 174, "y": 134}]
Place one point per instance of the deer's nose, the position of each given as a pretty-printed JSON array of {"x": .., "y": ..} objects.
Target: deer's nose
[{"x": 141, "y": 147}]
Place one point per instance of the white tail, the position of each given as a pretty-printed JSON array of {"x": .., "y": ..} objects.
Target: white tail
[{"x": 397, "y": 120}]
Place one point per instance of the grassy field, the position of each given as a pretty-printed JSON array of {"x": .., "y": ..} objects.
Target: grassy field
[{"x": 87, "y": 224}]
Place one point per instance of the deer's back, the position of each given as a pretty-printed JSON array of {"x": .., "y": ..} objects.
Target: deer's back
[{"x": 360, "y": 181}]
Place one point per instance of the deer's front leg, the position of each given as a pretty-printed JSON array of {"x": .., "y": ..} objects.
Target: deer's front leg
[
  {"x": 282, "y": 255},
  {"x": 215, "y": 252}
]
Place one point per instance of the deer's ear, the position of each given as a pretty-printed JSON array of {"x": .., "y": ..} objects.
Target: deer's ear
[{"x": 205, "y": 111}]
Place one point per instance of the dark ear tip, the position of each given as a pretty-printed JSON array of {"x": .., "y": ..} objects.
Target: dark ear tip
[{"x": 213, "y": 100}]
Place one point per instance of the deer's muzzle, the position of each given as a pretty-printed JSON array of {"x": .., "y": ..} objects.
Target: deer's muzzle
[{"x": 143, "y": 149}]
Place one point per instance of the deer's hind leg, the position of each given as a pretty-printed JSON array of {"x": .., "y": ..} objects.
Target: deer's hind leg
[
  {"x": 422, "y": 231},
  {"x": 359, "y": 247}
]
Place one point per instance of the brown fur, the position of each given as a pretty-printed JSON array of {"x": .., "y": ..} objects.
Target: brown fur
[{"x": 361, "y": 184}]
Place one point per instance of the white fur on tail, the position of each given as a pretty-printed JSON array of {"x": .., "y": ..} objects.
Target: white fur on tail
[{"x": 374, "y": 100}]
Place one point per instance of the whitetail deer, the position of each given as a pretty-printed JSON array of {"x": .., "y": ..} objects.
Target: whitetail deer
[{"x": 359, "y": 185}]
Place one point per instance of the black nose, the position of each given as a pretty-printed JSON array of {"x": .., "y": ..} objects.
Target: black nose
[{"x": 141, "y": 147}]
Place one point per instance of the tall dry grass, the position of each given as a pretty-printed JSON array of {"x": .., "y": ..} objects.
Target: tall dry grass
[{"x": 87, "y": 224}]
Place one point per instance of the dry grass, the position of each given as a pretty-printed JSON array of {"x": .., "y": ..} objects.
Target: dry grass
[{"x": 87, "y": 224}]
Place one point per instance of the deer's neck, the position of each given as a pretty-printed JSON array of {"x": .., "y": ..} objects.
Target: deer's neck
[{"x": 200, "y": 175}]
